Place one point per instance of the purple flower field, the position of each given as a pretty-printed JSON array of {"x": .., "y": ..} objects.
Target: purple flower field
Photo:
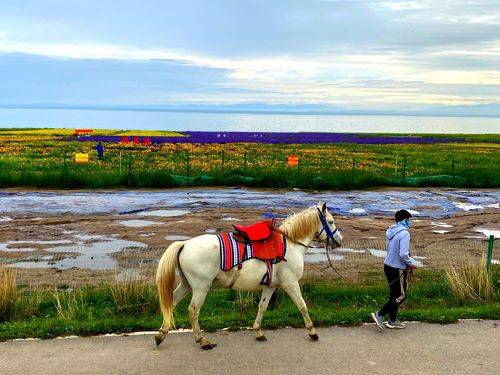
[{"x": 272, "y": 138}]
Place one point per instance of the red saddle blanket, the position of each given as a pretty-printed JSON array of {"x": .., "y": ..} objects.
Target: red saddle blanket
[{"x": 234, "y": 252}]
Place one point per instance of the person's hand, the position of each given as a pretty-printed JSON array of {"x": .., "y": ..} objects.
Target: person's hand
[{"x": 412, "y": 267}]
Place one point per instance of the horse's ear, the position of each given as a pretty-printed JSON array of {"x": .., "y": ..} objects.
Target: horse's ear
[{"x": 322, "y": 206}]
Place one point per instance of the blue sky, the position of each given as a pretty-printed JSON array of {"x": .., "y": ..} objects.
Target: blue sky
[{"x": 375, "y": 55}]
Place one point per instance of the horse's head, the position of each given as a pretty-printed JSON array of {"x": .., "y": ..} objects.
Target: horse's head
[{"x": 327, "y": 232}]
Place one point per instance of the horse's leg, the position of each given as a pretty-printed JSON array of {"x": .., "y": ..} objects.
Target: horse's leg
[
  {"x": 179, "y": 293},
  {"x": 194, "y": 312},
  {"x": 267, "y": 293},
  {"x": 293, "y": 290}
]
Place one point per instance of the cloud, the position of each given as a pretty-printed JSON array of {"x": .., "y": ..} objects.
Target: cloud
[{"x": 374, "y": 54}]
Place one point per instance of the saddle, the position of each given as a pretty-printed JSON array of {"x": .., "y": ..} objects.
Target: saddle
[
  {"x": 257, "y": 241},
  {"x": 266, "y": 243},
  {"x": 257, "y": 232}
]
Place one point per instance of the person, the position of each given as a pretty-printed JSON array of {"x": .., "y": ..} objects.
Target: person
[
  {"x": 396, "y": 265},
  {"x": 100, "y": 151}
]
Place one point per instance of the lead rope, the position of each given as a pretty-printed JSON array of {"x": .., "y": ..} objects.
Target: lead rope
[
  {"x": 306, "y": 246},
  {"x": 330, "y": 261}
]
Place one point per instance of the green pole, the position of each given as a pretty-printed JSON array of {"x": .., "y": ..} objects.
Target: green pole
[
  {"x": 188, "y": 164},
  {"x": 489, "y": 256},
  {"x": 245, "y": 161}
]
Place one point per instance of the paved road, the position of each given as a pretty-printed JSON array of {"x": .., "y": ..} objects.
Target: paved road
[{"x": 466, "y": 348}]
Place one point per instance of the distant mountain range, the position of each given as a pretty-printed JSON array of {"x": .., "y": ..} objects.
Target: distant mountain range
[{"x": 483, "y": 110}]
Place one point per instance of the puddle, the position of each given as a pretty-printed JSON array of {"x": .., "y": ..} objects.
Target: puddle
[
  {"x": 7, "y": 246},
  {"x": 494, "y": 261},
  {"x": 139, "y": 223},
  {"x": 441, "y": 231},
  {"x": 93, "y": 256},
  {"x": 378, "y": 253},
  {"x": 176, "y": 202},
  {"x": 163, "y": 213},
  {"x": 489, "y": 232},
  {"x": 229, "y": 218},
  {"x": 128, "y": 274},
  {"x": 210, "y": 230},
  {"x": 175, "y": 237},
  {"x": 347, "y": 250},
  {"x": 468, "y": 206},
  {"x": 441, "y": 225},
  {"x": 147, "y": 234},
  {"x": 88, "y": 237},
  {"x": 5, "y": 219},
  {"x": 318, "y": 255}
]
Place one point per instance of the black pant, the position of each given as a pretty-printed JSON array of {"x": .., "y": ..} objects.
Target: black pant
[{"x": 397, "y": 285}]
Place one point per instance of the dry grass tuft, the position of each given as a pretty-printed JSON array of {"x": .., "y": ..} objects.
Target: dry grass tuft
[
  {"x": 470, "y": 282},
  {"x": 8, "y": 293},
  {"x": 133, "y": 294}
]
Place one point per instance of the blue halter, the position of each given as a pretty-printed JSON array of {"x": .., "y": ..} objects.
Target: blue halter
[{"x": 326, "y": 228}]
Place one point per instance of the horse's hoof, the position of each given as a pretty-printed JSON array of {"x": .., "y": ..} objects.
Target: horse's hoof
[
  {"x": 158, "y": 340},
  {"x": 314, "y": 337},
  {"x": 208, "y": 346},
  {"x": 261, "y": 338}
]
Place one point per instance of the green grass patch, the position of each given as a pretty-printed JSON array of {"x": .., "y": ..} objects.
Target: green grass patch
[{"x": 105, "y": 309}]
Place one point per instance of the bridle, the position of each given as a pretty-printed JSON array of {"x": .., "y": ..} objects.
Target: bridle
[{"x": 330, "y": 235}]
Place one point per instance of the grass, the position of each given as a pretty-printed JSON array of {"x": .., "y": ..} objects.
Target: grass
[
  {"x": 131, "y": 305},
  {"x": 8, "y": 293},
  {"x": 43, "y": 161},
  {"x": 132, "y": 295},
  {"x": 470, "y": 282}
]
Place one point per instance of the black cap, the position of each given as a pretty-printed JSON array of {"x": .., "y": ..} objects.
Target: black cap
[{"x": 402, "y": 215}]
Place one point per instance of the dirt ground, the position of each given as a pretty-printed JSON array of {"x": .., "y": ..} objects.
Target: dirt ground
[{"x": 436, "y": 250}]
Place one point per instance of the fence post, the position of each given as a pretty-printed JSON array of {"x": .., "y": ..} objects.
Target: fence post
[
  {"x": 404, "y": 168},
  {"x": 489, "y": 255},
  {"x": 120, "y": 164},
  {"x": 352, "y": 172},
  {"x": 188, "y": 163},
  {"x": 453, "y": 168},
  {"x": 222, "y": 157},
  {"x": 396, "y": 168},
  {"x": 245, "y": 161},
  {"x": 129, "y": 169}
]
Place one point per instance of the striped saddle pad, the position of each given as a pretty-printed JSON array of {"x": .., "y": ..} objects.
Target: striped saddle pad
[{"x": 234, "y": 253}]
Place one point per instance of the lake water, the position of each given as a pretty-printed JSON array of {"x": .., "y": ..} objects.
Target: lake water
[{"x": 111, "y": 119}]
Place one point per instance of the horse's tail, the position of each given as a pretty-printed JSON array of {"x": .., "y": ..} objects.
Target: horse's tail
[{"x": 165, "y": 281}]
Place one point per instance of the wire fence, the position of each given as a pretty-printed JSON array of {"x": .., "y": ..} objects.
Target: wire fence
[
  {"x": 348, "y": 165},
  {"x": 355, "y": 257}
]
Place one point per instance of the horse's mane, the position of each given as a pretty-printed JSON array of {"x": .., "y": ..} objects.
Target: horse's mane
[{"x": 301, "y": 225}]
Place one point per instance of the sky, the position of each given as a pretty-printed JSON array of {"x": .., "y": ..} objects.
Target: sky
[{"x": 369, "y": 55}]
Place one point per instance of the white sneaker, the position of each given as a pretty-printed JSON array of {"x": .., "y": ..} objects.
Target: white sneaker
[
  {"x": 379, "y": 320},
  {"x": 395, "y": 325}
]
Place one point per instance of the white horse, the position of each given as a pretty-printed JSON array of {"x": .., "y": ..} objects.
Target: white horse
[{"x": 198, "y": 263}]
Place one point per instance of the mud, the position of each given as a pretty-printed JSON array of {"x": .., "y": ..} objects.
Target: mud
[{"x": 52, "y": 247}]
